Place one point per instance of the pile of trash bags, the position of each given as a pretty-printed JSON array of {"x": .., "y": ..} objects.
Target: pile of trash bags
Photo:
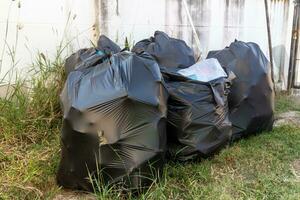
[{"x": 125, "y": 113}]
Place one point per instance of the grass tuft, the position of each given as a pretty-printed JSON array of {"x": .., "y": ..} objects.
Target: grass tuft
[{"x": 30, "y": 120}]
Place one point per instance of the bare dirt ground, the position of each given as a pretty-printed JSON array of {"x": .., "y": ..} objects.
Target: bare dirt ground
[
  {"x": 291, "y": 117},
  {"x": 70, "y": 195}
]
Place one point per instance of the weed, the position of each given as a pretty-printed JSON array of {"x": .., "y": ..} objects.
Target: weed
[{"x": 30, "y": 120}]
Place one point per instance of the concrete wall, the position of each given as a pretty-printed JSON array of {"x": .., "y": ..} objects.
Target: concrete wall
[
  {"x": 31, "y": 26},
  {"x": 41, "y": 25}
]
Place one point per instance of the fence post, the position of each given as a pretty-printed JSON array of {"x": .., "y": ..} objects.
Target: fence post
[{"x": 294, "y": 46}]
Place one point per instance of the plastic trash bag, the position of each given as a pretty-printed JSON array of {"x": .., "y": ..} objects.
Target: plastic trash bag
[
  {"x": 198, "y": 123},
  {"x": 107, "y": 46},
  {"x": 168, "y": 52},
  {"x": 89, "y": 57},
  {"x": 114, "y": 123},
  {"x": 251, "y": 100}
]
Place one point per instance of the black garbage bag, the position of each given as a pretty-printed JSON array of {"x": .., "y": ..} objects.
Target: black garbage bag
[
  {"x": 251, "y": 100},
  {"x": 168, "y": 52},
  {"x": 114, "y": 123},
  {"x": 107, "y": 46},
  {"x": 198, "y": 123},
  {"x": 89, "y": 57}
]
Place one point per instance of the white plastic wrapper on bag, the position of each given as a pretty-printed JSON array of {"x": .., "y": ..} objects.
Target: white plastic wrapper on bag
[{"x": 204, "y": 71}]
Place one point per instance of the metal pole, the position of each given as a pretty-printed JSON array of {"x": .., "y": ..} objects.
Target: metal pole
[
  {"x": 294, "y": 46},
  {"x": 269, "y": 41},
  {"x": 96, "y": 26},
  {"x": 193, "y": 27}
]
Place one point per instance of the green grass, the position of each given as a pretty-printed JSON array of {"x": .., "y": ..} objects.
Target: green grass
[
  {"x": 254, "y": 168},
  {"x": 285, "y": 103},
  {"x": 30, "y": 121}
]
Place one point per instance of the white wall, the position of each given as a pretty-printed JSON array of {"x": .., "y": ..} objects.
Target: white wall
[
  {"x": 218, "y": 22},
  {"x": 39, "y": 26}
]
